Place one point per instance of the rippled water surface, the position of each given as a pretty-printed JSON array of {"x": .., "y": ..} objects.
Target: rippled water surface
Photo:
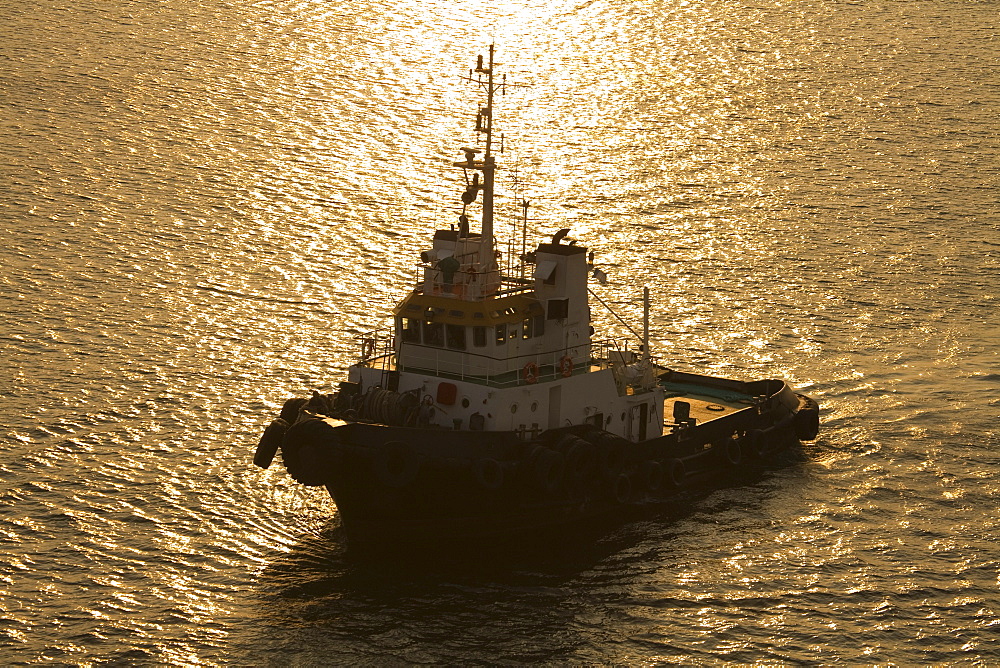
[{"x": 204, "y": 202}]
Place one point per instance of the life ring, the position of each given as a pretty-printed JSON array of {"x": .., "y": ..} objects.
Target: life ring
[
  {"x": 566, "y": 366},
  {"x": 530, "y": 373}
]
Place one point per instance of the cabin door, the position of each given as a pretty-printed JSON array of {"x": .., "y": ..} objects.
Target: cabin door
[{"x": 638, "y": 417}]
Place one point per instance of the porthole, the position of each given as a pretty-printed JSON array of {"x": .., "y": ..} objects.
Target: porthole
[
  {"x": 513, "y": 408},
  {"x": 465, "y": 402},
  {"x": 534, "y": 406}
]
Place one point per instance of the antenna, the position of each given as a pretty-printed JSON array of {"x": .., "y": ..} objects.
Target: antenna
[{"x": 645, "y": 324}]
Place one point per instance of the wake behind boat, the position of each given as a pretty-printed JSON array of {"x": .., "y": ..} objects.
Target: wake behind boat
[{"x": 490, "y": 408}]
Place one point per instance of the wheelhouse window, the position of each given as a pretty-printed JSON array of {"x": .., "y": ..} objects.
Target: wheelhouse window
[
  {"x": 528, "y": 328},
  {"x": 410, "y": 328},
  {"x": 455, "y": 335},
  {"x": 479, "y": 337},
  {"x": 501, "y": 331},
  {"x": 433, "y": 334}
]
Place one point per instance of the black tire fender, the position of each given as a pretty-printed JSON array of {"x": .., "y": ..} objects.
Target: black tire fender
[
  {"x": 581, "y": 459},
  {"x": 807, "y": 423},
  {"x": 489, "y": 473},
  {"x": 733, "y": 452},
  {"x": 622, "y": 488},
  {"x": 652, "y": 474},
  {"x": 755, "y": 442},
  {"x": 270, "y": 441},
  {"x": 308, "y": 451},
  {"x": 611, "y": 455},
  {"x": 548, "y": 468},
  {"x": 290, "y": 411},
  {"x": 675, "y": 473}
]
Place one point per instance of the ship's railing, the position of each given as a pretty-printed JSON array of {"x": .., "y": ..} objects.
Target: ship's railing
[
  {"x": 631, "y": 375},
  {"x": 614, "y": 352},
  {"x": 468, "y": 285},
  {"x": 510, "y": 378},
  {"x": 513, "y": 286},
  {"x": 378, "y": 351},
  {"x": 377, "y": 348}
]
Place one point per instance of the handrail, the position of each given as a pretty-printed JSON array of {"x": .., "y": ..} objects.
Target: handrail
[
  {"x": 387, "y": 338},
  {"x": 379, "y": 351}
]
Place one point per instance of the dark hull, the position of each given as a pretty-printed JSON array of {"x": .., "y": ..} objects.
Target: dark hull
[{"x": 395, "y": 485}]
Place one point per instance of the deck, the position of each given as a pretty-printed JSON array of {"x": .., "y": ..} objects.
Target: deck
[{"x": 707, "y": 403}]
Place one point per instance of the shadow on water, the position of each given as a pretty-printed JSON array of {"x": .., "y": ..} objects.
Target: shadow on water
[
  {"x": 538, "y": 598},
  {"x": 427, "y": 604}
]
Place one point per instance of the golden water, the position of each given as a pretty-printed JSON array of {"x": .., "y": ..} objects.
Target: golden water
[{"x": 205, "y": 202}]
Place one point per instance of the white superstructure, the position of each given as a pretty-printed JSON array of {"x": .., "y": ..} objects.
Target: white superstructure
[{"x": 483, "y": 351}]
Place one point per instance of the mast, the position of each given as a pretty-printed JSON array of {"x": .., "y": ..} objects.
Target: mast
[
  {"x": 484, "y": 125},
  {"x": 489, "y": 165},
  {"x": 483, "y": 267}
]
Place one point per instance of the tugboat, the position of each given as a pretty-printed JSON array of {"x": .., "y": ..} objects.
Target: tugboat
[{"x": 490, "y": 409}]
